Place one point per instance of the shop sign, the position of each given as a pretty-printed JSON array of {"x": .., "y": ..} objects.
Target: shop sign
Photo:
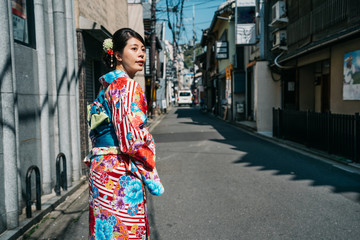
[
  {"x": 19, "y": 20},
  {"x": 228, "y": 72},
  {"x": 147, "y": 62},
  {"x": 222, "y": 50}
]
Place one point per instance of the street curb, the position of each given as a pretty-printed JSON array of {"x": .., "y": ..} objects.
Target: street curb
[
  {"x": 322, "y": 156},
  {"x": 46, "y": 207},
  {"x": 299, "y": 147},
  {"x": 156, "y": 122}
]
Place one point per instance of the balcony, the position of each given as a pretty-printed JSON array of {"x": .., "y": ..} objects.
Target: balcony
[{"x": 325, "y": 20}]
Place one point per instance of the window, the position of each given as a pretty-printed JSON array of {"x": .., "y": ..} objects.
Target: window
[
  {"x": 185, "y": 94},
  {"x": 23, "y": 21},
  {"x": 246, "y": 15}
]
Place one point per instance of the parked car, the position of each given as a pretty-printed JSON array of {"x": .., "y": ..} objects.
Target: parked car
[{"x": 185, "y": 97}]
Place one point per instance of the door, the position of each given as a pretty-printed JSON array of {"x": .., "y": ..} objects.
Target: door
[{"x": 325, "y": 93}]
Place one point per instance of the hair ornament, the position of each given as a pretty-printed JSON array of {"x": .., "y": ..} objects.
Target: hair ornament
[{"x": 108, "y": 46}]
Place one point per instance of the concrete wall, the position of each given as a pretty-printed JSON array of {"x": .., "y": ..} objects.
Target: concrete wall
[
  {"x": 52, "y": 91},
  {"x": 36, "y": 95},
  {"x": 29, "y": 109},
  {"x": 337, "y": 104},
  {"x": 314, "y": 57},
  {"x": 112, "y": 14},
  {"x": 267, "y": 96},
  {"x": 135, "y": 13},
  {"x": 2, "y": 187}
]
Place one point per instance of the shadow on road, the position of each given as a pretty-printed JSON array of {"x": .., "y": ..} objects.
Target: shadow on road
[{"x": 269, "y": 156}]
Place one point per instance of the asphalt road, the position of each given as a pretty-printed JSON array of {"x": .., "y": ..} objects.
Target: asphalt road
[{"x": 223, "y": 183}]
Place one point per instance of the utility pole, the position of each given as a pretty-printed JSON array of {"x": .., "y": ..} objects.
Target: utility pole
[
  {"x": 153, "y": 51},
  {"x": 194, "y": 39}
]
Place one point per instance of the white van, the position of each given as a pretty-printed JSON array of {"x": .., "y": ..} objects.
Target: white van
[{"x": 185, "y": 97}]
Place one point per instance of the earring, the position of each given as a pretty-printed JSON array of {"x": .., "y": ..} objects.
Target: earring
[{"x": 112, "y": 61}]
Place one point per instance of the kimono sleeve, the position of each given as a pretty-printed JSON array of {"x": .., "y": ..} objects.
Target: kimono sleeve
[
  {"x": 151, "y": 178},
  {"x": 129, "y": 119}
]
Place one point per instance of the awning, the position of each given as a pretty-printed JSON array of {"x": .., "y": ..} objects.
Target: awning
[{"x": 96, "y": 30}]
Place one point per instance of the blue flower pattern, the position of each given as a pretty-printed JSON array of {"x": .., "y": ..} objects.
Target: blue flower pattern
[
  {"x": 133, "y": 210},
  {"x": 95, "y": 192},
  {"x": 112, "y": 220},
  {"x": 134, "y": 107},
  {"x": 103, "y": 230},
  {"x": 133, "y": 193},
  {"x": 124, "y": 180},
  {"x": 155, "y": 188},
  {"x": 129, "y": 136}
]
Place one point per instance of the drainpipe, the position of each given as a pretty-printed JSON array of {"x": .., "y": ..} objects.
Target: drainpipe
[
  {"x": 8, "y": 117},
  {"x": 70, "y": 35},
  {"x": 62, "y": 84},
  {"x": 262, "y": 29},
  {"x": 44, "y": 96}
]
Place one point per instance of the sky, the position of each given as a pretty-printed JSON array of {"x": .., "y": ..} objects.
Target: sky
[{"x": 204, "y": 13}]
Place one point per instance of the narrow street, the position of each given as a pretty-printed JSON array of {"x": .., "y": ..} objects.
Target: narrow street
[{"x": 223, "y": 183}]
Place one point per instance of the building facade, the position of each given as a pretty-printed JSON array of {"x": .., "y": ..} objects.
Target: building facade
[
  {"x": 320, "y": 67},
  {"x": 51, "y": 62},
  {"x": 298, "y": 56},
  {"x": 95, "y": 21},
  {"x": 39, "y": 110},
  {"x": 297, "y": 60}
]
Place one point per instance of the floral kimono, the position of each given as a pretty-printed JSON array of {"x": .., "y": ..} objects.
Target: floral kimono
[{"x": 122, "y": 161}]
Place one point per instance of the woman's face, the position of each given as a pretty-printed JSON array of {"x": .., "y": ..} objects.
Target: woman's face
[{"x": 132, "y": 59}]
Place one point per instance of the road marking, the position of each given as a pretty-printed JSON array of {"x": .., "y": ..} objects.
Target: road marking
[{"x": 345, "y": 168}]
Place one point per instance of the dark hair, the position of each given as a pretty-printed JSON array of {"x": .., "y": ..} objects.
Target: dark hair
[{"x": 120, "y": 39}]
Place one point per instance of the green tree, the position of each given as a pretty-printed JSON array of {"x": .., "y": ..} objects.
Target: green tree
[{"x": 188, "y": 55}]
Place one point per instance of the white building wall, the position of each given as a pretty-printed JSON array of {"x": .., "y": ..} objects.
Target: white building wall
[
  {"x": 267, "y": 96},
  {"x": 135, "y": 20}
]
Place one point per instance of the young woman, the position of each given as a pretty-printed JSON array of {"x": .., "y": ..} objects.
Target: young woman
[{"x": 122, "y": 160}]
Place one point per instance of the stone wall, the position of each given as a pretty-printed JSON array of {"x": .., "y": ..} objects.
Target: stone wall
[{"x": 112, "y": 14}]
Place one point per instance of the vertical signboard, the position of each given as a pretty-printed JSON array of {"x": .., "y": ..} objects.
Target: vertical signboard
[
  {"x": 222, "y": 50},
  {"x": 147, "y": 62},
  {"x": 228, "y": 83},
  {"x": 245, "y": 22}
]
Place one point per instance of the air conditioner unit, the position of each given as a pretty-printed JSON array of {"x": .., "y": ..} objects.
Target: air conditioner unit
[
  {"x": 279, "y": 38},
  {"x": 278, "y": 11}
]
